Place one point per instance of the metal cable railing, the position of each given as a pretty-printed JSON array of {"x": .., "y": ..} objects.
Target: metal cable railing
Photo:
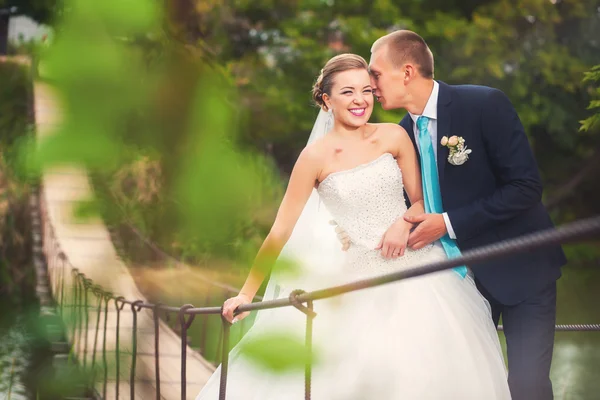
[{"x": 77, "y": 310}]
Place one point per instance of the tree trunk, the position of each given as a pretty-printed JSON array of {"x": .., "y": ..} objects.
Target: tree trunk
[{"x": 4, "y": 34}]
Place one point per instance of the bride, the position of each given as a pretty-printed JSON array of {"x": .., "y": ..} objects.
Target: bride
[{"x": 430, "y": 337}]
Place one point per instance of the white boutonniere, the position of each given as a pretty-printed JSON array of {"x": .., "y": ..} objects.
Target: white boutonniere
[{"x": 459, "y": 153}]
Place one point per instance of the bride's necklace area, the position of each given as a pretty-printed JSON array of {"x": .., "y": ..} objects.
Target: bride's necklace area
[{"x": 347, "y": 142}]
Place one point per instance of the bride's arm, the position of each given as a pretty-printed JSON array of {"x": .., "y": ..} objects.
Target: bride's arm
[
  {"x": 394, "y": 241},
  {"x": 300, "y": 186},
  {"x": 411, "y": 172}
]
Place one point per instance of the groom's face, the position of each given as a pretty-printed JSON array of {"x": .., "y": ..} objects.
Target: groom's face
[{"x": 388, "y": 80}]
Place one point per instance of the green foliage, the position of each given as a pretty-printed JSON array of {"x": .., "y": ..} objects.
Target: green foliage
[
  {"x": 15, "y": 103},
  {"x": 15, "y": 120},
  {"x": 277, "y": 351},
  {"x": 583, "y": 254},
  {"x": 526, "y": 51},
  {"x": 535, "y": 51},
  {"x": 261, "y": 57},
  {"x": 591, "y": 122},
  {"x": 155, "y": 124}
]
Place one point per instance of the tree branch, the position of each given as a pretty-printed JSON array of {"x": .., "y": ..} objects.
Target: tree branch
[{"x": 568, "y": 189}]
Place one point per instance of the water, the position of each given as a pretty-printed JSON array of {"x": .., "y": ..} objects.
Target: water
[
  {"x": 576, "y": 361},
  {"x": 576, "y": 357},
  {"x": 576, "y": 367}
]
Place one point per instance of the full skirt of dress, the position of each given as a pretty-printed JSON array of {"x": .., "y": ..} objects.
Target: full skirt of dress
[{"x": 429, "y": 337}]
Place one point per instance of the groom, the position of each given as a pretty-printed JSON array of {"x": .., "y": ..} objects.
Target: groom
[{"x": 491, "y": 194}]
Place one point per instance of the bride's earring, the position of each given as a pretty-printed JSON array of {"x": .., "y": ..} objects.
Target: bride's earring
[{"x": 329, "y": 122}]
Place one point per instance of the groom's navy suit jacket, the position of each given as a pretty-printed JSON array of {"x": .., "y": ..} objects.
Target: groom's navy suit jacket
[{"x": 496, "y": 194}]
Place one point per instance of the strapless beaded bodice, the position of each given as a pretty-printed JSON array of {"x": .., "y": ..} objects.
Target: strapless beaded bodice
[{"x": 365, "y": 201}]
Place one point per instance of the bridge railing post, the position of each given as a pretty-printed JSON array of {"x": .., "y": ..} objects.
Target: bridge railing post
[
  {"x": 63, "y": 267},
  {"x": 118, "y": 309},
  {"x": 156, "y": 317},
  {"x": 74, "y": 311},
  {"x": 98, "y": 293},
  {"x": 87, "y": 286},
  {"x": 135, "y": 308},
  {"x": 224, "y": 358},
  {"x": 185, "y": 323},
  {"x": 308, "y": 310},
  {"x": 107, "y": 297}
]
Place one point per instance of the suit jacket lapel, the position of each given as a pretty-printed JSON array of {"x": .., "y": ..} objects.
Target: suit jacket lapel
[{"x": 444, "y": 124}]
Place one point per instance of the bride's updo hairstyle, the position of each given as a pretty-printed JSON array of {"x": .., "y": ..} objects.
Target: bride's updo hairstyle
[{"x": 339, "y": 63}]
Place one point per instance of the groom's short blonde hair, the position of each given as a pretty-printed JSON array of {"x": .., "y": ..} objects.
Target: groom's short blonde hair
[{"x": 406, "y": 46}]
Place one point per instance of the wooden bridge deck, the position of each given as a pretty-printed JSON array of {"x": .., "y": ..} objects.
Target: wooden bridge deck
[{"x": 88, "y": 247}]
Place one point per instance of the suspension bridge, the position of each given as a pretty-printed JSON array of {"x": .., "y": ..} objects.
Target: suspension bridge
[{"x": 98, "y": 319}]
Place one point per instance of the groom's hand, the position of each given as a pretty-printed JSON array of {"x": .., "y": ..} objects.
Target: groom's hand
[
  {"x": 430, "y": 228},
  {"x": 341, "y": 235}
]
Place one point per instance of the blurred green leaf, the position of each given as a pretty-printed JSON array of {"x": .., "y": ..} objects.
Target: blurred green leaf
[{"x": 278, "y": 352}]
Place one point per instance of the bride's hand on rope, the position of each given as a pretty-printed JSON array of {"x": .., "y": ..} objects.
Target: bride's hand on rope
[
  {"x": 232, "y": 304},
  {"x": 394, "y": 241}
]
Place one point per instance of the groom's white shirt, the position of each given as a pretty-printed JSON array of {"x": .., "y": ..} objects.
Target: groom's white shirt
[{"x": 430, "y": 112}]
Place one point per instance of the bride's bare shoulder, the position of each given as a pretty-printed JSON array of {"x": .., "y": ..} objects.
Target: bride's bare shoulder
[
  {"x": 314, "y": 152},
  {"x": 389, "y": 128},
  {"x": 392, "y": 136}
]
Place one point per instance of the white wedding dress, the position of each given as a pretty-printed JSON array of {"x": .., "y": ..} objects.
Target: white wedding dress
[{"x": 429, "y": 337}]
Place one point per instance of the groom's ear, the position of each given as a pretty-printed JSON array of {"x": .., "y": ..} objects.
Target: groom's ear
[
  {"x": 413, "y": 70},
  {"x": 409, "y": 71}
]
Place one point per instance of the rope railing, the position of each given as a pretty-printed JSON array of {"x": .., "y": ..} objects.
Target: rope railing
[
  {"x": 77, "y": 308},
  {"x": 129, "y": 225},
  {"x": 178, "y": 263}
]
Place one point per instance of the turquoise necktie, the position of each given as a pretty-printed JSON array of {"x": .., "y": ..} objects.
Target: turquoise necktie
[{"x": 431, "y": 188}]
